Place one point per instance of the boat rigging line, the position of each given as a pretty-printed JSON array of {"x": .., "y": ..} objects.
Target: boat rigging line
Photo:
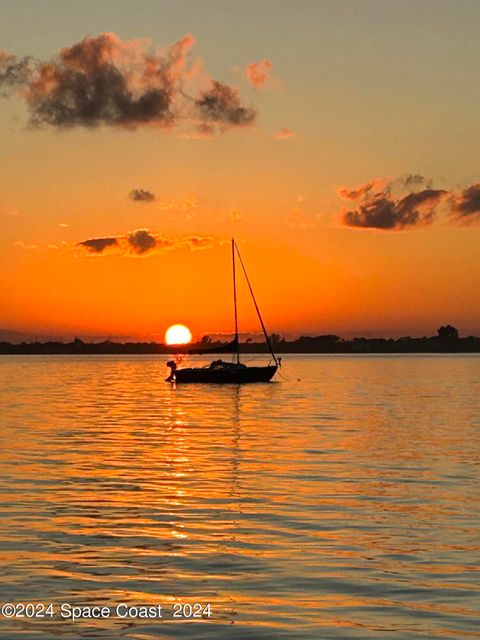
[{"x": 267, "y": 338}]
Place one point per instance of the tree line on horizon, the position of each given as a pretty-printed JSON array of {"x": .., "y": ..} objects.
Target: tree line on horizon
[{"x": 447, "y": 340}]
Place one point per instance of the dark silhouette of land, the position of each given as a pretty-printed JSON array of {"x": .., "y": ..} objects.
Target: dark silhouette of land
[{"x": 447, "y": 340}]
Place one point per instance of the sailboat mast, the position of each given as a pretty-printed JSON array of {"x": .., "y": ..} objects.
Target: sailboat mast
[
  {"x": 237, "y": 349},
  {"x": 267, "y": 339}
]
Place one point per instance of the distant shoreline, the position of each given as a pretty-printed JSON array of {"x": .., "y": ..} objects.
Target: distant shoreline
[{"x": 304, "y": 345}]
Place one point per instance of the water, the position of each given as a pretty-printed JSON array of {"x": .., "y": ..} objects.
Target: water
[{"x": 342, "y": 502}]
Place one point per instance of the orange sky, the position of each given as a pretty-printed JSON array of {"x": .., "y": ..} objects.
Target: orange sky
[{"x": 272, "y": 182}]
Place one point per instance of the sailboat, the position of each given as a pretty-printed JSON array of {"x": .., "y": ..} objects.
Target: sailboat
[{"x": 220, "y": 371}]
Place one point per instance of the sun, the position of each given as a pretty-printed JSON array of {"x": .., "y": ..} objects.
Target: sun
[{"x": 178, "y": 334}]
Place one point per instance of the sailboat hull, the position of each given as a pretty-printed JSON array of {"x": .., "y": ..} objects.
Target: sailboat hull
[{"x": 225, "y": 376}]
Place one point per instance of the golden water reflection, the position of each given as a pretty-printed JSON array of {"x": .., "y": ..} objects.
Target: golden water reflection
[{"x": 342, "y": 506}]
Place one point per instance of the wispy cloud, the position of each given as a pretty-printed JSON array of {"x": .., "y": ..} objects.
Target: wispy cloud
[
  {"x": 27, "y": 246},
  {"x": 300, "y": 215},
  {"x": 104, "y": 80},
  {"x": 220, "y": 106},
  {"x": 12, "y": 213},
  {"x": 198, "y": 242},
  {"x": 235, "y": 216},
  {"x": 363, "y": 191},
  {"x": 187, "y": 204},
  {"x": 258, "y": 73},
  {"x": 299, "y": 218},
  {"x": 14, "y": 72},
  {"x": 142, "y": 242},
  {"x": 40, "y": 247},
  {"x": 284, "y": 134},
  {"x": 465, "y": 205}
]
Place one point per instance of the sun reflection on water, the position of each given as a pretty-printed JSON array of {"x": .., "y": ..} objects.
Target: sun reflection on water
[{"x": 338, "y": 507}]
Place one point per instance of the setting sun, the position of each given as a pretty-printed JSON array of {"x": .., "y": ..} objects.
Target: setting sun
[{"x": 178, "y": 334}]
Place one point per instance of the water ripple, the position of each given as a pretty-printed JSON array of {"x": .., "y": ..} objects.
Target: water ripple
[{"x": 344, "y": 506}]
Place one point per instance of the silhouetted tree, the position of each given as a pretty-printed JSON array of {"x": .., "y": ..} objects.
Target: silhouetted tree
[
  {"x": 329, "y": 338},
  {"x": 447, "y": 332}
]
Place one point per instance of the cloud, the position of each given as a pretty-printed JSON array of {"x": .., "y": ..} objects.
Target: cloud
[
  {"x": 185, "y": 208},
  {"x": 363, "y": 191},
  {"x": 382, "y": 212},
  {"x": 26, "y": 246},
  {"x": 105, "y": 81},
  {"x": 12, "y": 213},
  {"x": 412, "y": 180},
  {"x": 406, "y": 202},
  {"x": 258, "y": 72},
  {"x": 199, "y": 242},
  {"x": 187, "y": 204},
  {"x": 221, "y": 105},
  {"x": 465, "y": 205},
  {"x": 383, "y": 205},
  {"x": 298, "y": 218},
  {"x": 142, "y": 242},
  {"x": 235, "y": 216},
  {"x": 99, "y": 245},
  {"x": 141, "y": 195},
  {"x": 407, "y": 182},
  {"x": 284, "y": 134},
  {"x": 14, "y": 72}
]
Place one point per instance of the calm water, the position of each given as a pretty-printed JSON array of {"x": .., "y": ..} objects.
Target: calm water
[{"x": 340, "y": 502}]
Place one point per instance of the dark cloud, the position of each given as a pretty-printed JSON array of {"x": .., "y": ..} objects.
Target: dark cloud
[
  {"x": 383, "y": 210},
  {"x": 142, "y": 242},
  {"x": 142, "y": 195},
  {"x": 383, "y": 204},
  {"x": 14, "y": 72},
  {"x": 99, "y": 245},
  {"x": 465, "y": 205},
  {"x": 412, "y": 180},
  {"x": 104, "y": 80},
  {"x": 221, "y": 106}
]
